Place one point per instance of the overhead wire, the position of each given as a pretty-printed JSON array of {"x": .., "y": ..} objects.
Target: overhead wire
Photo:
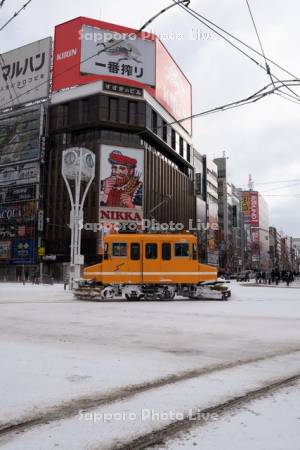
[
  {"x": 121, "y": 40},
  {"x": 287, "y": 97},
  {"x": 197, "y": 16},
  {"x": 15, "y": 15},
  {"x": 259, "y": 41},
  {"x": 242, "y": 42},
  {"x": 1, "y": 56},
  {"x": 275, "y": 182},
  {"x": 281, "y": 187},
  {"x": 114, "y": 43}
]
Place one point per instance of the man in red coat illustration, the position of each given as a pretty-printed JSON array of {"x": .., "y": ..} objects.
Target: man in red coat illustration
[{"x": 123, "y": 188}]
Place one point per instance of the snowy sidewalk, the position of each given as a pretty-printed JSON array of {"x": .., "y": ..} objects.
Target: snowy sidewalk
[{"x": 294, "y": 285}]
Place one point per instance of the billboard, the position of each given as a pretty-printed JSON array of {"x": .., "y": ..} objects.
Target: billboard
[
  {"x": 17, "y": 213},
  {"x": 20, "y": 136},
  {"x": 5, "y": 250},
  {"x": 255, "y": 247},
  {"x": 160, "y": 77},
  {"x": 250, "y": 207},
  {"x": 121, "y": 184},
  {"x": 10, "y": 194},
  {"x": 132, "y": 58},
  {"x": 254, "y": 209},
  {"x": 24, "y": 74},
  {"x": 10, "y": 231},
  {"x": 173, "y": 90},
  {"x": 23, "y": 251},
  {"x": 67, "y": 53},
  {"x": 20, "y": 174},
  {"x": 245, "y": 205}
]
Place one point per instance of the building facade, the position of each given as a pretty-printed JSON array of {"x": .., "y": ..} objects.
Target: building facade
[
  {"x": 24, "y": 87},
  {"x": 131, "y": 127},
  {"x": 230, "y": 220},
  {"x": 275, "y": 248},
  {"x": 256, "y": 224}
]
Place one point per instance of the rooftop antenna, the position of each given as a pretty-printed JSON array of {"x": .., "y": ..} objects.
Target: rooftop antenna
[{"x": 250, "y": 183}]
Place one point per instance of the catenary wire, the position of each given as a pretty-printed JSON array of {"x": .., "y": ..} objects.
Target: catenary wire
[
  {"x": 113, "y": 44},
  {"x": 286, "y": 97},
  {"x": 259, "y": 41},
  {"x": 96, "y": 54},
  {"x": 15, "y": 15},
  {"x": 243, "y": 43},
  {"x": 195, "y": 15}
]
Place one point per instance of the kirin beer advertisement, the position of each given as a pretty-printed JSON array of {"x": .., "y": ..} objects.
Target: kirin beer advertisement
[{"x": 121, "y": 184}]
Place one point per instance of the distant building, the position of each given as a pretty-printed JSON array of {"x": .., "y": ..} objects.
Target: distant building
[
  {"x": 256, "y": 222},
  {"x": 275, "y": 248},
  {"x": 230, "y": 236},
  {"x": 201, "y": 205},
  {"x": 296, "y": 253},
  {"x": 212, "y": 212}
]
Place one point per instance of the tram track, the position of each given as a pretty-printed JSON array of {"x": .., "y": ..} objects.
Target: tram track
[
  {"x": 71, "y": 408},
  {"x": 158, "y": 437}
]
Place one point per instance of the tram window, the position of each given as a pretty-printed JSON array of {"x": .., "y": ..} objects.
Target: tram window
[
  {"x": 135, "y": 252},
  {"x": 119, "y": 249},
  {"x": 151, "y": 251},
  {"x": 166, "y": 251},
  {"x": 182, "y": 250}
]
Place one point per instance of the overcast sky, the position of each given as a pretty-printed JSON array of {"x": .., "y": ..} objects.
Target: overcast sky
[{"x": 263, "y": 138}]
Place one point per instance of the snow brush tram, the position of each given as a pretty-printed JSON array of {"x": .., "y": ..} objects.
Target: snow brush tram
[{"x": 150, "y": 267}]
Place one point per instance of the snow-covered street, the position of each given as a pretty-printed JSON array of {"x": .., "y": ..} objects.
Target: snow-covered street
[{"x": 72, "y": 372}]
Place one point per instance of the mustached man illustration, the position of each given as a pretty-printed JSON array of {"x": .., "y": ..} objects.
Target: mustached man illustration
[{"x": 123, "y": 188}]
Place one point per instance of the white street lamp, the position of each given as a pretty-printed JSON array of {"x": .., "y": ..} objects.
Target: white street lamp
[{"x": 78, "y": 164}]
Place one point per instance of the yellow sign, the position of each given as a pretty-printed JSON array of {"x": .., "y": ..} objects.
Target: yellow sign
[
  {"x": 246, "y": 203},
  {"x": 41, "y": 251}
]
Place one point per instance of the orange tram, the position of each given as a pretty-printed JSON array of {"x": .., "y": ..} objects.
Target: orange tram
[{"x": 150, "y": 266}]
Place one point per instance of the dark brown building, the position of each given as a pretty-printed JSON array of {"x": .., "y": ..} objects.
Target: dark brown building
[{"x": 79, "y": 120}]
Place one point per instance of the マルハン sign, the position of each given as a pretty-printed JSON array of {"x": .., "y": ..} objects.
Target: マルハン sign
[{"x": 24, "y": 73}]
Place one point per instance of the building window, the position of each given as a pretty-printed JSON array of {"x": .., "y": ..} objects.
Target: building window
[
  {"x": 151, "y": 251},
  {"x": 132, "y": 113},
  {"x": 166, "y": 251},
  {"x": 83, "y": 110},
  {"x": 113, "y": 109},
  {"x": 188, "y": 153},
  {"x": 173, "y": 139},
  {"x": 181, "y": 146},
  {"x": 164, "y": 131},
  {"x": 154, "y": 121}
]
